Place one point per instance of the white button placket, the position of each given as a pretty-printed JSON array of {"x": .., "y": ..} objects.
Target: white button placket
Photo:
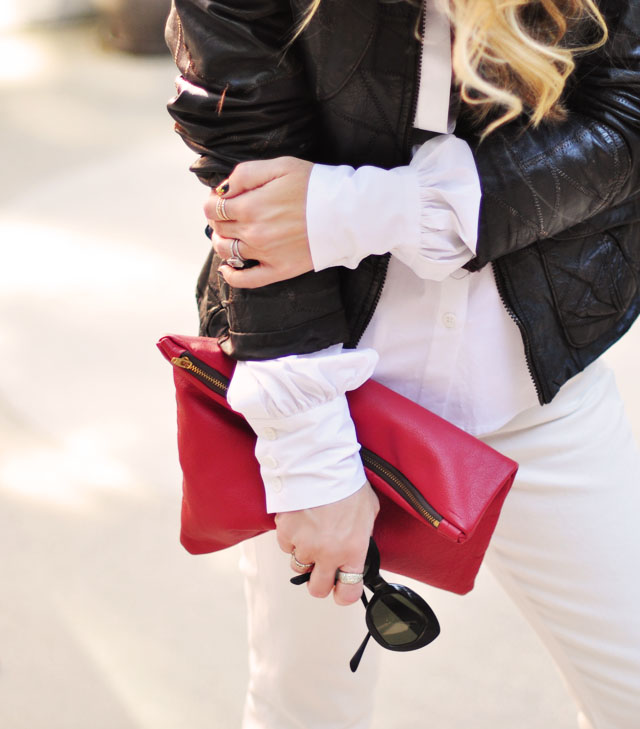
[
  {"x": 449, "y": 320},
  {"x": 448, "y": 330},
  {"x": 269, "y": 461}
]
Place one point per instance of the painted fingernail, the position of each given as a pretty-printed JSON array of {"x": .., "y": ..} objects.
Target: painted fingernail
[{"x": 223, "y": 188}]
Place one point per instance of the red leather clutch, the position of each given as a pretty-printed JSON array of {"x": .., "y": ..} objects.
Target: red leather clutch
[{"x": 440, "y": 489}]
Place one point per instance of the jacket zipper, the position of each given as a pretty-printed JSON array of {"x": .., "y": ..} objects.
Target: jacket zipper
[
  {"x": 496, "y": 272},
  {"x": 416, "y": 86},
  {"x": 501, "y": 286},
  {"x": 384, "y": 268},
  {"x": 217, "y": 382}
]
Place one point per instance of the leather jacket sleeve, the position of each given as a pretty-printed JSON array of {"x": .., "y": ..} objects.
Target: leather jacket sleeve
[
  {"x": 240, "y": 97},
  {"x": 539, "y": 182}
]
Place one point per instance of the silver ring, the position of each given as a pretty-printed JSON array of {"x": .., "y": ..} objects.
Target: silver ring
[
  {"x": 221, "y": 212},
  {"x": 236, "y": 259},
  {"x": 235, "y": 252},
  {"x": 298, "y": 566},
  {"x": 349, "y": 578}
]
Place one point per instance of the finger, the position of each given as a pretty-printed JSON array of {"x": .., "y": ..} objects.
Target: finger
[
  {"x": 228, "y": 229},
  {"x": 249, "y": 278},
  {"x": 249, "y": 175},
  {"x": 285, "y": 544},
  {"x": 345, "y": 594},
  {"x": 322, "y": 579},
  {"x": 284, "y": 534},
  {"x": 300, "y": 564},
  {"x": 218, "y": 209},
  {"x": 225, "y": 249},
  {"x": 222, "y": 246}
]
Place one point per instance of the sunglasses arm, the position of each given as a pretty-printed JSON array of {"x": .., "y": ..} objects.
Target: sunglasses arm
[{"x": 355, "y": 661}]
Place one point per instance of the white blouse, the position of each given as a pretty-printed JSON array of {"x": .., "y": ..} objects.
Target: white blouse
[{"x": 439, "y": 335}]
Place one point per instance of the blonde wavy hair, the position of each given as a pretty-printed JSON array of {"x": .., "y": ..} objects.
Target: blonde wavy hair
[{"x": 514, "y": 56}]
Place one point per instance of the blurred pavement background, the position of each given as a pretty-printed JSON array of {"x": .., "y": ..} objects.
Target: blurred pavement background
[{"x": 105, "y": 622}]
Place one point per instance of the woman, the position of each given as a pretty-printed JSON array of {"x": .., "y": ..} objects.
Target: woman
[{"x": 541, "y": 181}]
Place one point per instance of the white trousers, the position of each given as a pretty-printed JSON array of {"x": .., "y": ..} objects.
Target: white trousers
[{"x": 566, "y": 550}]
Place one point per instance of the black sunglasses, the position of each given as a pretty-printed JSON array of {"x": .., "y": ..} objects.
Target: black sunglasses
[{"x": 397, "y": 617}]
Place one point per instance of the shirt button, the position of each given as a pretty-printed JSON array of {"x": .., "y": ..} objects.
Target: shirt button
[
  {"x": 449, "y": 320},
  {"x": 276, "y": 484},
  {"x": 270, "y": 434},
  {"x": 269, "y": 461}
]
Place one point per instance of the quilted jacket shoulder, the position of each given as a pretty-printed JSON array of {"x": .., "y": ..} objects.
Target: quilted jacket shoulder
[{"x": 561, "y": 202}]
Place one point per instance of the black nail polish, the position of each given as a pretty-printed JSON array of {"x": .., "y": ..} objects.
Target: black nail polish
[{"x": 223, "y": 188}]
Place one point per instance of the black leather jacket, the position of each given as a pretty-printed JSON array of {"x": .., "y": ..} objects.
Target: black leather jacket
[{"x": 560, "y": 214}]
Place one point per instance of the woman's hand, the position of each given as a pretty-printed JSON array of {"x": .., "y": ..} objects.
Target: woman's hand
[
  {"x": 266, "y": 205},
  {"x": 334, "y": 536}
]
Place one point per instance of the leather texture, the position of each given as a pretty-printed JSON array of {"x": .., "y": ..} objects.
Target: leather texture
[
  {"x": 561, "y": 202},
  {"x": 463, "y": 479}
]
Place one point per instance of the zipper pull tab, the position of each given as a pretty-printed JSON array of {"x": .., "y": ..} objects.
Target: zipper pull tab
[{"x": 183, "y": 362}]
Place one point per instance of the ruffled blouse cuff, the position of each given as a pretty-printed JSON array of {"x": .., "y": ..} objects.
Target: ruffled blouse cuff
[
  {"x": 450, "y": 195},
  {"x": 425, "y": 214},
  {"x": 307, "y": 446},
  {"x": 278, "y": 388}
]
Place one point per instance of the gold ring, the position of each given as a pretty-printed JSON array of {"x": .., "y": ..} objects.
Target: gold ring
[
  {"x": 221, "y": 212},
  {"x": 298, "y": 566}
]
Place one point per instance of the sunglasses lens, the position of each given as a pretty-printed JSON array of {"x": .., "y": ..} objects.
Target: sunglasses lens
[{"x": 397, "y": 620}]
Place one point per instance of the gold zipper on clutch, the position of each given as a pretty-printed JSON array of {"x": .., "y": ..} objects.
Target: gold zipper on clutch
[
  {"x": 217, "y": 382},
  {"x": 212, "y": 378},
  {"x": 402, "y": 485}
]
